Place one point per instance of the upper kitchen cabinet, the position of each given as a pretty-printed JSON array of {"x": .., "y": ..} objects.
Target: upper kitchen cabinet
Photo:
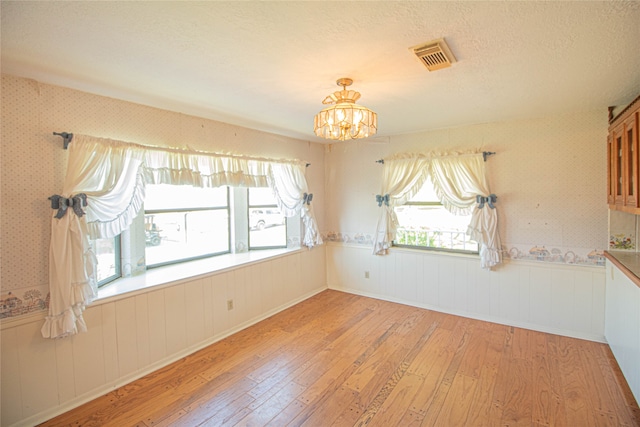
[{"x": 623, "y": 160}]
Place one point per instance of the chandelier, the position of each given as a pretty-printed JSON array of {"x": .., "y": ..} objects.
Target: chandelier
[{"x": 345, "y": 119}]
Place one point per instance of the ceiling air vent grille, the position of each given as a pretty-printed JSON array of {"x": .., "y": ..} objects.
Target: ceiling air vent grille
[{"x": 434, "y": 55}]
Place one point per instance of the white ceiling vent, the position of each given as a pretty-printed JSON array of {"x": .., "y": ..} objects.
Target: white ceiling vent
[{"x": 434, "y": 55}]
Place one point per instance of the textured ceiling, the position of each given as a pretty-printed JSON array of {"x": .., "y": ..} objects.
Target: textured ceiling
[{"x": 269, "y": 65}]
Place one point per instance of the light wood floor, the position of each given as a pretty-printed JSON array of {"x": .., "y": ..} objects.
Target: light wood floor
[{"x": 345, "y": 360}]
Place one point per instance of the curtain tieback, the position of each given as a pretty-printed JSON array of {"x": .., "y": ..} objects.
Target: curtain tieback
[
  {"x": 62, "y": 203},
  {"x": 307, "y": 198},
  {"x": 490, "y": 200},
  {"x": 382, "y": 199}
]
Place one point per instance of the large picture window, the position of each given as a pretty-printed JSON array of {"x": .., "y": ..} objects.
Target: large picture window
[
  {"x": 184, "y": 223},
  {"x": 425, "y": 223}
]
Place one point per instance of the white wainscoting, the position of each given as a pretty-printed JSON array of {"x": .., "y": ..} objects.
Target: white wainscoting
[
  {"x": 130, "y": 336},
  {"x": 556, "y": 298},
  {"x": 623, "y": 325}
]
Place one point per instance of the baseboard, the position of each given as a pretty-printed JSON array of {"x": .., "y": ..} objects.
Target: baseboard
[{"x": 476, "y": 316}]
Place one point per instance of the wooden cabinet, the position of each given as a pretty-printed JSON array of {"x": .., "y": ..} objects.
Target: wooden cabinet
[{"x": 623, "y": 175}]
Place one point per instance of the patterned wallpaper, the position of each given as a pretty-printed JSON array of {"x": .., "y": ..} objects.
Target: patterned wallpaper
[
  {"x": 549, "y": 175},
  {"x": 34, "y": 165}
]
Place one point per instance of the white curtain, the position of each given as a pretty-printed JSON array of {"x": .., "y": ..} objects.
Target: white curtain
[
  {"x": 288, "y": 184},
  {"x": 461, "y": 185},
  {"x": 402, "y": 177},
  {"x": 111, "y": 176}
]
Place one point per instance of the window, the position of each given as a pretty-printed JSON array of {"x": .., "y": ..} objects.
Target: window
[
  {"x": 184, "y": 223},
  {"x": 425, "y": 223},
  {"x": 107, "y": 252},
  {"x": 267, "y": 225}
]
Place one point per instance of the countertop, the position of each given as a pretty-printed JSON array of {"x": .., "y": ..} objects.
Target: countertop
[{"x": 627, "y": 262}]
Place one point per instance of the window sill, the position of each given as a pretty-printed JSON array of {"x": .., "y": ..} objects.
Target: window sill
[
  {"x": 158, "y": 278},
  {"x": 173, "y": 274},
  {"x": 415, "y": 250}
]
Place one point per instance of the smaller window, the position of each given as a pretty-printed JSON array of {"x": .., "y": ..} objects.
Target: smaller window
[
  {"x": 267, "y": 224},
  {"x": 425, "y": 223},
  {"x": 107, "y": 252}
]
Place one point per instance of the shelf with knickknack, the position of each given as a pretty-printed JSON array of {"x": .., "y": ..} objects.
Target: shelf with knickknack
[{"x": 623, "y": 159}]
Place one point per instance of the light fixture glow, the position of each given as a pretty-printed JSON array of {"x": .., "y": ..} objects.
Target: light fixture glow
[{"x": 345, "y": 119}]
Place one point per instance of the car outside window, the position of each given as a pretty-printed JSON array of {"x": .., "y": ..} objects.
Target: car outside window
[{"x": 267, "y": 224}]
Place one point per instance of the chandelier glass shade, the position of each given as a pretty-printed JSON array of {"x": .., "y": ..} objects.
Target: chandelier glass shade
[{"x": 345, "y": 119}]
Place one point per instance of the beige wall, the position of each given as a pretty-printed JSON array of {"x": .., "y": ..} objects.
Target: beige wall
[
  {"x": 549, "y": 175},
  {"x": 34, "y": 162}
]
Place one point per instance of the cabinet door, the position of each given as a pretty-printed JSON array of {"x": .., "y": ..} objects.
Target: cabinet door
[
  {"x": 618, "y": 164},
  {"x": 611, "y": 177},
  {"x": 630, "y": 156}
]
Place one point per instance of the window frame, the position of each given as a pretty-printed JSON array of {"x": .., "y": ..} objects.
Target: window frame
[{"x": 117, "y": 244}]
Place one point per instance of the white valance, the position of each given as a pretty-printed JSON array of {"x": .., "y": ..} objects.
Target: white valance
[
  {"x": 111, "y": 176},
  {"x": 459, "y": 181}
]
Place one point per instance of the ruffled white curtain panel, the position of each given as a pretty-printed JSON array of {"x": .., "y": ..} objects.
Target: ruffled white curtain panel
[
  {"x": 461, "y": 185},
  {"x": 104, "y": 191}
]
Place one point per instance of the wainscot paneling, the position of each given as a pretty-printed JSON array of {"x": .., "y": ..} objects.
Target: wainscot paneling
[
  {"x": 623, "y": 325},
  {"x": 555, "y": 298},
  {"x": 131, "y": 335}
]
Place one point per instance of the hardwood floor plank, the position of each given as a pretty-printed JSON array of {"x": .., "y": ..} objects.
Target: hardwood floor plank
[
  {"x": 500, "y": 389},
  {"x": 473, "y": 359},
  {"x": 227, "y": 415},
  {"x": 346, "y": 360},
  {"x": 218, "y": 403},
  {"x": 327, "y": 412},
  {"x": 574, "y": 386},
  {"x": 601, "y": 398},
  {"x": 545, "y": 401},
  {"x": 261, "y": 414},
  {"x": 411, "y": 419},
  {"x": 398, "y": 402},
  {"x": 455, "y": 408},
  {"x": 387, "y": 406},
  {"x": 556, "y": 380},
  {"x": 374, "y": 373},
  {"x": 288, "y": 372},
  {"x": 482, "y": 411},
  {"x": 289, "y": 413},
  {"x": 438, "y": 382},
  {"x": 617, "y": 386},
  {"x": 438, "y": 346},
  {"x": 171, "y": 420},
  {"x": 326, "y": 384},
  {"x": 521, "y": 345},
  {"x": 519, "y": 391}
]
